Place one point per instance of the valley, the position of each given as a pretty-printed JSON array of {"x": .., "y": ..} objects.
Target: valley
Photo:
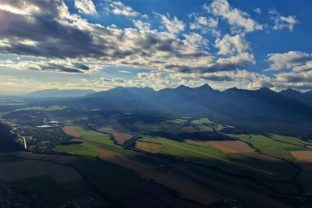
[{"x": 111, "y": 158}]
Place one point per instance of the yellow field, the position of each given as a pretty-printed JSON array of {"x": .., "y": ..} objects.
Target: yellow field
[
  {"x": 231, "y": 146},
  {"x": 119, "y": 137},
  {"x": 303, "y": 156},
  {"x": 71, "y": 131},
  {"x": 147, "y": 146}
]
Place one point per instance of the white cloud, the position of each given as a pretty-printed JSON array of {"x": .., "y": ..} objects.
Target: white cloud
[
  {"x": 283, "y": 22},
  {"x": 231, "y": 44},
  {"x": 294, "y": 60},
  {"x": 142, "y": 26},
  {"x": 22, "y": 8},
  {"x": 173, "y": 25},
  {"x": 202, "y": 21},
  {"x": 86, "y": 7},
  {"x": 235, "y": 17},
  {"x": 293, "y": 70},
  {"x": 173, "y": 59},
  {"x": 118, "y": 8},
  {"x": 204, "y": 24},
  {"x": 41, "y": 64}
]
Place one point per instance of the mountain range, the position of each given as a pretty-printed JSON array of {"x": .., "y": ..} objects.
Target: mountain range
[
  {"x": 49, "y": 93},
  {"x": 262, "y": 110}
]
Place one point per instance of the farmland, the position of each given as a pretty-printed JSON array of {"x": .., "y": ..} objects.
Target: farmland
[
  {"x": 302, "y": 156},
  {"x": 224, "y": 154},
  {"x": 118, "y": 160},
  {"x": 101, "y": 146},
  {"x": 119, "y": 137},
  {"x": 227, "y": 146}
]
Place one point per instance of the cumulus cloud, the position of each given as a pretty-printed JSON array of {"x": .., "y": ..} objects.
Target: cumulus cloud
[
  {"x": 201, "y": 21},
  {"x": 283, "y": 22},
  {"x": 142, "y": 26},
  {"x": 232, "y": 63},
  {"x": 119, "y": 8},
  {"x": 86, "y": 7},
  {"x": 54, "y": 39},
  {"x": 231, "y": 44},
  {"x": 294, "y": 60},
  {"x": 173, "y": 25},
  {"x": 52, "y": 31},
  {"x": 292, "y": 69},
  {"x": 60, "y": 34},
  {"x": 236, "y": 18}
]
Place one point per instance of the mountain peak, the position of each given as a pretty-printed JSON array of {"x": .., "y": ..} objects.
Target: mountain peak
[
  {"x": 182, "y": 87},
  {"x": 232, "y": 89},
  {"x": 290, "y": 91},
  {"x": 264, "y": 89},
  {"x": 205, "y": 86}
]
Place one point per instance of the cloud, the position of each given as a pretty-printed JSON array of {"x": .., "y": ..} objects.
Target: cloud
[
  {"x": 235, "y": 17},
  {"x": 55, "y": 65},
  {"x": 86, "y": 7},
  {"x": 292, "y": 69},
  {"x": 58, "y": 34},
  {"x": 54, "y": 33},
  {"x": 293, "y": 60},
  {"x": 173, "y": 25},
  {"x": 45, "y": 35},
  {"x": 201, "y": 21},
  {"x": 118, "y": 8},
  {"x": 283, "y": 22},
  {"x": 231, "y": 44},
  {"x": 142, "y": 26},
  {"x": 232, "y": 63},
  {"x": 257, "y": 10}
]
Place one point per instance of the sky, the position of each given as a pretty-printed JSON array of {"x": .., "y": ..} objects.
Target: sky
[{"x": 101, "y": 44}]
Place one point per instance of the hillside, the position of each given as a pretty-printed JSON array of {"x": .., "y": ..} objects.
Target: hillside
[{"x": 60, "y": 93}]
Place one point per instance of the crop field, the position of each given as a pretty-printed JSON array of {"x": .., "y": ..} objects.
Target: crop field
[
  {"x": 83, "y": 149},
  {"x": 96, "y": 145},
  {"x": 71, "y": 131},
  {"x": 226, "y": 146},
  {"x": 119, "y": 137},
  {"x": 179, "y": 149},
  {"x": 302, "y": 156},
  {"x": 247, "y": 168},
  {"x": 272, "y": 147},
  {"x": 151, "y": 147},
  {"x": 200, "y": 153}
]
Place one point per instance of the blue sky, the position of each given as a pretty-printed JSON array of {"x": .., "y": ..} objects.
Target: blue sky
[{"x": 102, "y": 44}]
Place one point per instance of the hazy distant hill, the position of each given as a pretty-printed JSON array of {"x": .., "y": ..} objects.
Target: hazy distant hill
[{"x": 60, "y": 93}]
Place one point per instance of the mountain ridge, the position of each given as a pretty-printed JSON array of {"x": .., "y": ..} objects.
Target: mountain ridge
[{"x": 60, "y": 93}]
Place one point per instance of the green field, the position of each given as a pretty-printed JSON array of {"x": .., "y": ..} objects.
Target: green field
[
  {"x": 266, "y": 167},
  {"x": 185, "y": 150},
  {"x": 92, "y": 141},
  {"x": 271, "y": 146},
  {"x": 84, "y": 149}
]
